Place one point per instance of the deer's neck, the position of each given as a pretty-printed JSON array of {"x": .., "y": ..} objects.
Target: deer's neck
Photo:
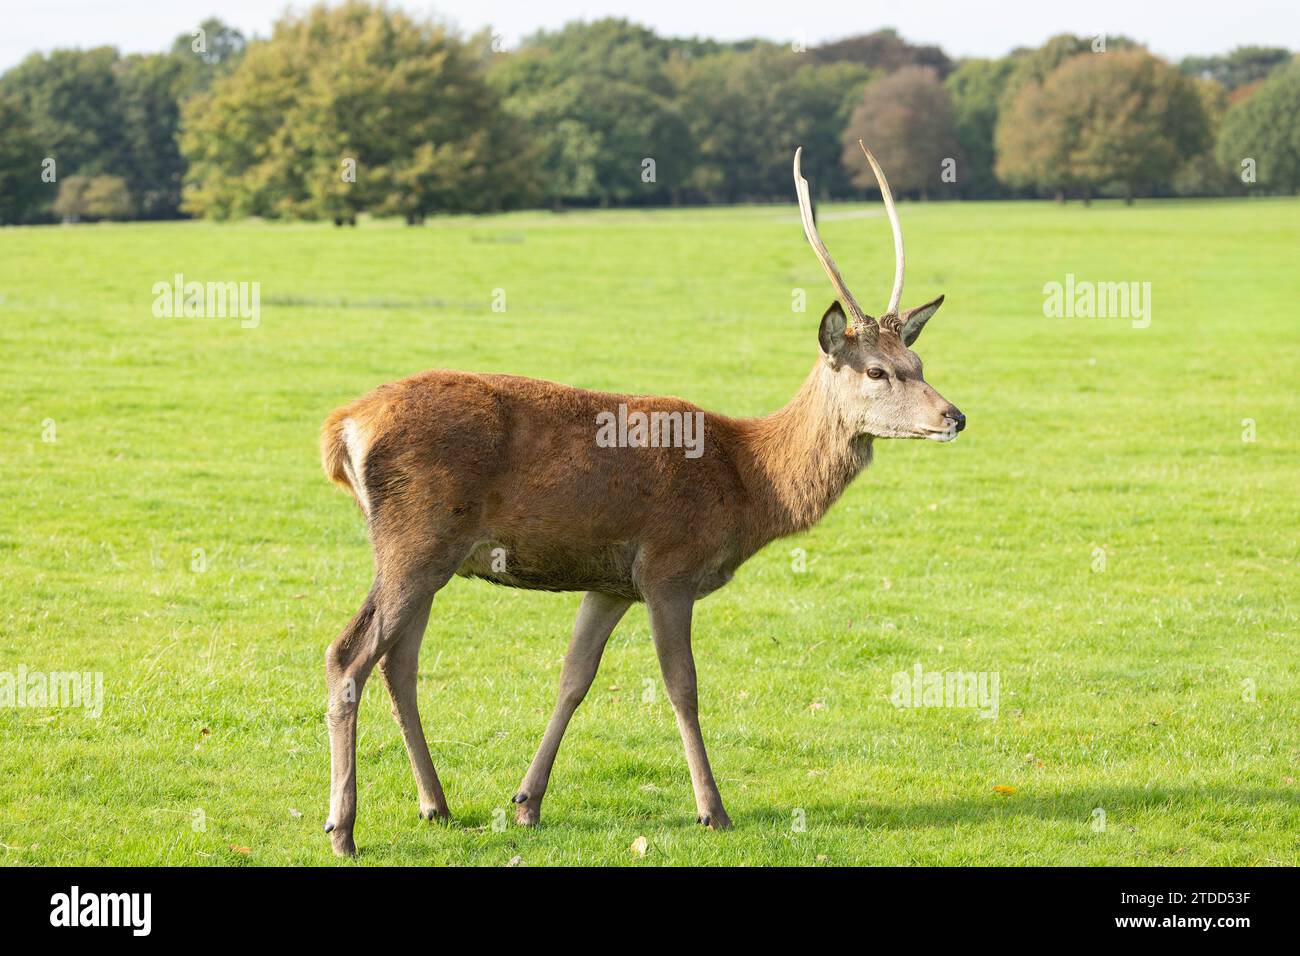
[{"x": 802, "y": 458}]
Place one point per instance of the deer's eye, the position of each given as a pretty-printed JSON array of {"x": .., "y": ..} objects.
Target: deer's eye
[{"x": 875, "y": 372}]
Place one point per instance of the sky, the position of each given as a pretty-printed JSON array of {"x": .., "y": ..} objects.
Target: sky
[{"x": 1172, "y": 28}]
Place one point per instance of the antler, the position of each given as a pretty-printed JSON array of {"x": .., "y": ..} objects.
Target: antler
[
  {"x": 887, "y": 195},
  {"x": 856, "y": 315}
]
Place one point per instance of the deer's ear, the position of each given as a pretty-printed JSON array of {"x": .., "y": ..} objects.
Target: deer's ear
[
  {"x": 914, "y": 320},
  {"x": 831, "y": 334}
]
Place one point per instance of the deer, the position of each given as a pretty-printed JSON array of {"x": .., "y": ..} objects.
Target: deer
[{"x": 500, "y": 477}]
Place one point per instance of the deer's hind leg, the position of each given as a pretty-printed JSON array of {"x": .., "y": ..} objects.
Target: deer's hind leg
[
  {"x": 400, "y": 668},
  {"x": 393, "y": 617}
]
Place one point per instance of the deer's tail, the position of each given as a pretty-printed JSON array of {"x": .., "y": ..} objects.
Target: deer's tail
[{"x": 343, "y": 455}]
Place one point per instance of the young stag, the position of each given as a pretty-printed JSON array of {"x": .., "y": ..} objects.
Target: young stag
[{"x": 506, "y": 478}]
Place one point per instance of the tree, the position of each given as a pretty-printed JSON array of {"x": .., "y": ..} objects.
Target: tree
[
  {"x": 147, "y": 91},
  {"x": 748, "y": 110},
  {"x": 71, "y": 100},
  {"x": 1123, "y": 118},
  {"x": 883, "y": 52},
  {"x": 600, "y": 101},
  {"x": 22, "y": 193},
  {"x": 1034, "y": 66},
  {"x": 213, "y": 43},
  {"x": 1204, "y": 174},
  {"x": 353, "y": 108},
  {"x": 1241, "y": 67},
  {"x": 1260, "y": 134},
  {"x": 1031, "y": 141},
  {"x": 95, "y": 113},
  {"x": 823, "y": 98},
  {"x": 906, "y": 120},
  {"x": 93, "y": 197},
  {"x": 211, "y": 50},
  {"x": 976, "y": 88}
]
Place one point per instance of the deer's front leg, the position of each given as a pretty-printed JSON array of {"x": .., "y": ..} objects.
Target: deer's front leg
[
  {"x": 670, "y": 624},
  {"x": 597, "y": 616}
]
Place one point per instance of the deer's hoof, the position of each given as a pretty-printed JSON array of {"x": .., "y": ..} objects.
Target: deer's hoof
[
  {"x": 528, "y": 812},
  {"x": 717, "y": 820},
  {"x": 434, "y": 813},
  {"x": 342, "y": 843}
]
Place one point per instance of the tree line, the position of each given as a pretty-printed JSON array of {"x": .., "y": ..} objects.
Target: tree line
[{"x": 359, "y": 108}]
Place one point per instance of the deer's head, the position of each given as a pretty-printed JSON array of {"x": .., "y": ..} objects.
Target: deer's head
[{"x": 875, "y": 377}]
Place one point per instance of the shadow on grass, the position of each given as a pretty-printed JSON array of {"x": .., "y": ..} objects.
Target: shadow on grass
[
  {"x": 469, "y": 839},
  {"x": 1074, "y": 805}
]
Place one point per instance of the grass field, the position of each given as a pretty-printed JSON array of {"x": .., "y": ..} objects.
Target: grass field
[{"x": 1155, "y": 680}]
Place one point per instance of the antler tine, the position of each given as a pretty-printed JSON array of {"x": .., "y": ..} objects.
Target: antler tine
[
  {"x": 819, "y": 248},
  {"x": 896, "y": 296}
]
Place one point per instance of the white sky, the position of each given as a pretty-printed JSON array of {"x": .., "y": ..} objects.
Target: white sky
[{"x": 962, "y": 27}]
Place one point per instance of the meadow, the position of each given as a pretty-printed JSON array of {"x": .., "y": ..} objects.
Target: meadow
[{"x": 1114, "y": 536}]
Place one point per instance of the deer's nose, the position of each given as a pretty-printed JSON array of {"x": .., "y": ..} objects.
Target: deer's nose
[{"x": 956, "y": 416}]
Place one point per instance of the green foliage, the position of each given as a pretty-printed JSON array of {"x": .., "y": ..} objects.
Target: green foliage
[
  {"x": 211, "y": 50},
  {"x": 71, "y": 100},
  {"x": 1204, "y": 174},
  {"x": 213, "y": 43},
  {"x": 97, "y": 113},
  {"x": 1264, "y": 128},
  {"x": 147, "y": 96},
  {"x": 1241, "y": 67},
  {"x": 1035, "y": 65},
  {"x": 976, "y": 88},
  {"x": 824, "y": 98},
  {"x": 93, "y": 198},
  {"x": 883, "y": 52},
  {"x": 905, "y": 118},
  {"x": 721, "y": 121},
  {"x": 22, "y": 192},
  {"x": 364, "y": 109},
  {"x": 748, "y": 110},
  {"x": 1123, "y": 117},
  {"x": 347, "y": 109},
  {"x": 600, "y": 101}
]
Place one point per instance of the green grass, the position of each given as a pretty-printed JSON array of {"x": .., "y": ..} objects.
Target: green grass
[{"x": 1123, "y": 689}]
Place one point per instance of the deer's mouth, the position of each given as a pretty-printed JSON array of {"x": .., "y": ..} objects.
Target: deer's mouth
[{"x": 947, "y": 433}]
